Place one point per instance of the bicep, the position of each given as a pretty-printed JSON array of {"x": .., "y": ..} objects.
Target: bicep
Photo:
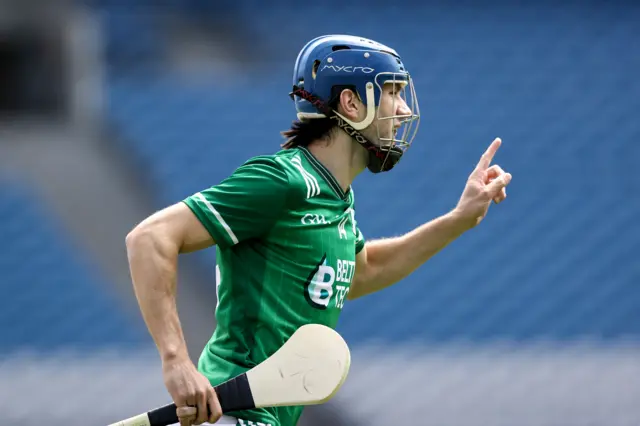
[
  {"x": 177, "y": 225},
  {"x": 194, "y": 235}
]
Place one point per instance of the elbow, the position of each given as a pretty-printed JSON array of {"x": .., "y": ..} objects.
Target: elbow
[
  {"x": 136, "y": 236},
  {"x": 144, "y": 235},
  {"x": 152, "y": 237},
  {"x": 131, "y": 238}
]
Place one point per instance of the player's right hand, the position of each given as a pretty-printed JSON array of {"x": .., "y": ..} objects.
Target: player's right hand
[{"x": 192, "y": 393}]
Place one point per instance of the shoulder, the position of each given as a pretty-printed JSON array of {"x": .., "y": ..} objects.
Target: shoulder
[
  {"x": 287, "y": 163},
  {"x": 286, "y": 172},
  {"x": 261, "y": 165},
  {"x": 261, "y": 171},
  {"x": 303, "y": 180}
]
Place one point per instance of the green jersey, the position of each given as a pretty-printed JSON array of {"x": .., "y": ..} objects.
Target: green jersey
[{"x": 286, "y": 244}]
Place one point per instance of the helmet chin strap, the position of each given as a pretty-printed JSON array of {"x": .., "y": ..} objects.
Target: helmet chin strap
[{"x": 381, "y": 159}]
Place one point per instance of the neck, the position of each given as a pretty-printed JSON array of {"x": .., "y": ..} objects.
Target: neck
[{"x": 342, "y": 156}]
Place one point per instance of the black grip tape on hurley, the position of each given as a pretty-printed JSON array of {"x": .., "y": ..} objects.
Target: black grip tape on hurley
[{"x": 234, "y": 395}]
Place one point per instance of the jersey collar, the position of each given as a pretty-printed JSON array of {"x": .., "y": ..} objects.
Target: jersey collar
[{"x": 325, "y": 173}]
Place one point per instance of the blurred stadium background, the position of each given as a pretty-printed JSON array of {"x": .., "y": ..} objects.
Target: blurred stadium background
[{"x": 110, "y": 110}]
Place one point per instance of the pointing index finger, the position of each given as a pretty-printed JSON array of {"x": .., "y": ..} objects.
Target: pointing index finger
[{"x": 488, "y": 155}]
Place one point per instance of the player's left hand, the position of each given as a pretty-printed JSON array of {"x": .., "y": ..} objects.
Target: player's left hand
[{"x": 486, "y": 184}]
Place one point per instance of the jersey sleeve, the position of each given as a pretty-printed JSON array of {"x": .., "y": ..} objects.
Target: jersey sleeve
[
  {"x": 245, "y": 205},
  {"x": 359, "y": 240}
]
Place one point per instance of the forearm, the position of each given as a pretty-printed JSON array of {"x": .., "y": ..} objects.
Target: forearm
[
  {"x": 153, "y": 265},
  {"x": 392, "y": 259}
]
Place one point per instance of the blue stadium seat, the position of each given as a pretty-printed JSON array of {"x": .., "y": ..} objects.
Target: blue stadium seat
[{"x": 53, "y": 298}]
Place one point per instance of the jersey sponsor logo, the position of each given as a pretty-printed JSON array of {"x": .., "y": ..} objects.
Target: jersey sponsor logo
[
  {"x": 313, "y": 188},
  {"x": 319, "y": 289},
  {"x": 319, "y": 286},
  {"x": 341, "y": 293},
  {"x": 345, "y": 271},
  {"x": 314, "y": 219}
]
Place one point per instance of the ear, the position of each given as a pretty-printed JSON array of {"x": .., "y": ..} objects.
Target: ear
[{"x": 350, "y": 105}]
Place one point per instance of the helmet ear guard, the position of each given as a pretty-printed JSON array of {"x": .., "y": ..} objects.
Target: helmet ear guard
[{"x": 371, "y": 110}]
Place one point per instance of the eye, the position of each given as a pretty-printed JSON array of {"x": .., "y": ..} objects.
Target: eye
[{"x": 395, "y": 89}]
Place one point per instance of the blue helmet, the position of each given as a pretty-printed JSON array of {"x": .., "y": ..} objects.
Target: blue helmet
[{"x": 330, "y": 63}]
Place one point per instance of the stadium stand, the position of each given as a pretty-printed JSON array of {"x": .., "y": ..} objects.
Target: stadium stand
[
  {"x": 546, "y": 266},
  {"x": 54, "y": 298}
]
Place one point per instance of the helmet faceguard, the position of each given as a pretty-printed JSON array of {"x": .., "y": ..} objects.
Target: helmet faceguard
[{"x": 335, "y": 62}]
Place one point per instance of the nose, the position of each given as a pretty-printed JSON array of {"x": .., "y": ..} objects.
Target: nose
[{"x": 403, "y": 108}]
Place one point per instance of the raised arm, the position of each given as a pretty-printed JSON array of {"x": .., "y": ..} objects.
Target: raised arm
[{"x": 384, "y": 262}]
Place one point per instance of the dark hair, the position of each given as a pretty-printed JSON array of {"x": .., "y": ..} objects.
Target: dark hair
[{"x": 302, "y": 133}]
